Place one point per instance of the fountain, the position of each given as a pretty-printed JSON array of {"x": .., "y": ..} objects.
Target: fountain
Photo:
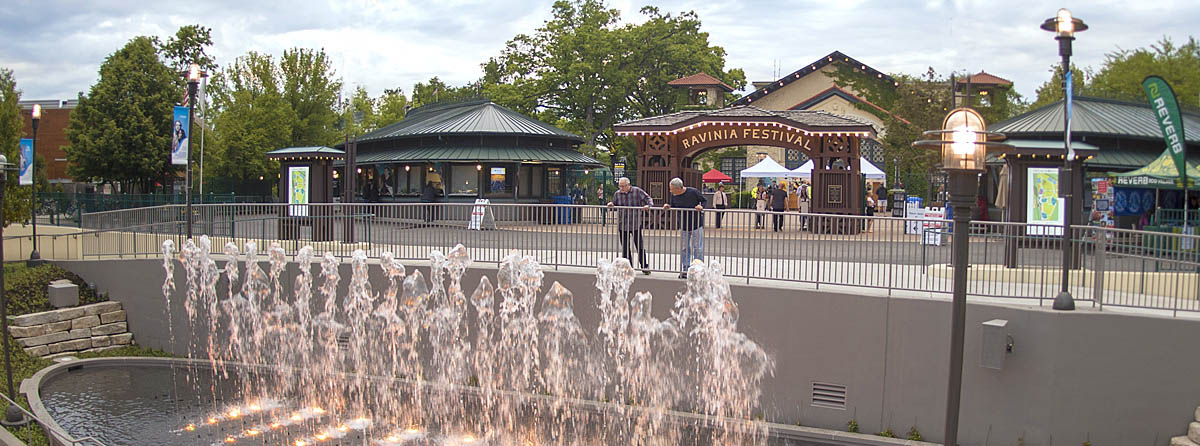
[{"x": 421, "y": 362}]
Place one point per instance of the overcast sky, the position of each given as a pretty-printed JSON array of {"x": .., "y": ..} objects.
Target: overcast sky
[{"x": 55, "y": 47}]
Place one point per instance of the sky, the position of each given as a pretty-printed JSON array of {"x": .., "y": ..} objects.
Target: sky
[{"x": 55, "y": 47}]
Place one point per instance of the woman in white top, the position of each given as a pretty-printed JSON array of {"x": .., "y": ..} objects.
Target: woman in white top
[
  {"x": 760, "y": 204},
  {"x": 720, "y": 201}
]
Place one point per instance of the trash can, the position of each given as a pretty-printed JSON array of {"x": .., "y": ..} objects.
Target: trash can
[{"x": 562, "y": 214}]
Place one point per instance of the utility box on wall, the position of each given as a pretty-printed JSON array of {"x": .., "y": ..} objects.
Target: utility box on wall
[{"x": 994, "y": 344}]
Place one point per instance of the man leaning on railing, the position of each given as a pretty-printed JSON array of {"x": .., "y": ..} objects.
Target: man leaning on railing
[{"x": 629, "y": 219}]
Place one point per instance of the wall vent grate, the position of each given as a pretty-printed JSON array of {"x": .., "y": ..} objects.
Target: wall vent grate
[{"x": 829, "y": 395}]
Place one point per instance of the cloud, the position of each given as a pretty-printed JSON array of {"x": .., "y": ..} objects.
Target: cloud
[{"x": 55, "y": 47}]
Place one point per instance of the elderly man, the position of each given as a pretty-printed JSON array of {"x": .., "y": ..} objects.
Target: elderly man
[
  {"x": 691, "y": 222},
  {"x": 629, "y": 219}
]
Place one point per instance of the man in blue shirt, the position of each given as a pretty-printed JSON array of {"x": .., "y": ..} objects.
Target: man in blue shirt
[{"x": 691, "y": 222}]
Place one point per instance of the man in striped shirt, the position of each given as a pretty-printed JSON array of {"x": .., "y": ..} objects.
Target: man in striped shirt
[{"x": 629, "y": 219}]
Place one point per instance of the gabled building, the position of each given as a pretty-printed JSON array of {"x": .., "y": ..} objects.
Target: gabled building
[
  {"x": 703, "y": 90},
  {"x": 813, "y": 88}
]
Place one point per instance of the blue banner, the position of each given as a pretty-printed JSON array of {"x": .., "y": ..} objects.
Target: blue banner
[
  {"x": 1131, "y": 201},
  {"x": 26, "y": 162},
  {"x": 179, "y": 136}
]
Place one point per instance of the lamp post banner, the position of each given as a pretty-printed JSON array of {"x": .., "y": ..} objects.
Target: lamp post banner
[
  {"x": 179, "y": 137},
  {"x": 1070, "y": 93},
  {"x": 1166, "y": 112},
  {"x": 26, "y": 166}
]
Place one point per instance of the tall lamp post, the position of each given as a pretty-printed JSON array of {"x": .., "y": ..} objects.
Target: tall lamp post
[
  {"x": 34, "y": 257},
  {"x": 963, "y": 141},
  {"x": 13, "y": 416},
  {"x": 193, "y": 81},
  {"x": 1064, "y": 28}
]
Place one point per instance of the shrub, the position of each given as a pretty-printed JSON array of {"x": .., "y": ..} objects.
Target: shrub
[
  {"x": 25, "y": 287},
  {"x": 852, "y": 426},
  {"x": 887, "y": 433},
  {"x": 914, "y": 434}
]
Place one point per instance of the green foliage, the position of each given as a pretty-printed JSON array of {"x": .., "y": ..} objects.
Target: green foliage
[
  {"x": 913, "y": 105},
  {"x": 914, "y": 434},
  {"x": 887, "y": 433},
  {"x": 425, "y": 93},
  {"x": 186, "y": 47},
  {"x": 309, "y": 87},
  {"x": 120, "y": 131},
  {"x": 1051, "y": 91},
  {"x": 1121, "y": 74},
  {"x": 852, "y": 426},
  {"x": 586, "y": 71},
  {"x": 127, "y": 350},
  {"x": 390, "y": 107},
  {"x": 16, "y": 203},
  {"x": 1123, "y": 71},
  {"x": 251, "y": 118},
  {"x": 25, "y": 288}
]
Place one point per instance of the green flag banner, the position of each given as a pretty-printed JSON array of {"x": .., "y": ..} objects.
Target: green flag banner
[{"x": 1166, "y": 112}]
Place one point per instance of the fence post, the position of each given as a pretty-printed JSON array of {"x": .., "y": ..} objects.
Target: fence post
[{"x": 1101, "y": 254}]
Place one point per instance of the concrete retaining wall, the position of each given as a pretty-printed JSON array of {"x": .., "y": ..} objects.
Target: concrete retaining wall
[{"x": 1113, "y": 378}]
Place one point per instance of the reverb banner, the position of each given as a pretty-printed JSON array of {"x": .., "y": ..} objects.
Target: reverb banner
[
  {"x": 179, "y": 136},
  {"x": 1166, "y": 112},
  {"x": 26, "y": 166}
]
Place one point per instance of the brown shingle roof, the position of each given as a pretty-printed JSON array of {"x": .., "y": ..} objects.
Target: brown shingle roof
[
  {"x": 805, "y": 118},
  {"x": 700, "y": 80},
  {"x": 983, "y": 78}
]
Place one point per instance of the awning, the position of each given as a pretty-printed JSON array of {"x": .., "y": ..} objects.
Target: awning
[
  {"x": 767, "y": 168},
  {"x": 1159, "y": 174},
  {"x": 475, "y": 155},
  {"x": 715, "y": 176},
  {"x": 865, "y": 166}
]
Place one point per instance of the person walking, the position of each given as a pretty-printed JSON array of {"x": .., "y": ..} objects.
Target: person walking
[
  {"x": 760, "y": 205},
  {"x": 720, "y": 201},
  {"x": 430, "y": 194},
  {"x": 778, "y": 200},
  {"x": 629, "y": 219},
  {"x": 869, "y": 210},
  {"x": 691, "y": 222}
]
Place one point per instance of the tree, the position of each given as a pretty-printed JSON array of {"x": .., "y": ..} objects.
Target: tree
[
  {"x": 392, "y": 106},
  {"x": 252, "y": 118},
  {"x": 425, "y": 93},
  {"x": 586, "y": 70},
  {"x": 16, "y": 197},
  {"x": 1123, "y": 71},
  {"x": 358, "y": 113},
  {"x": 1051, "y": 91},
  {"x": 309, "y": 88},
  {"x": 186, "y": 47},
  {"x": 120, "y": 131}
]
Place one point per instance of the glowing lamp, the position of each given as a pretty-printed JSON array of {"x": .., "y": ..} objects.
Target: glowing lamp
[
  {"x": 193, "y": 73},
  {"x": 1064, "y": 25}
]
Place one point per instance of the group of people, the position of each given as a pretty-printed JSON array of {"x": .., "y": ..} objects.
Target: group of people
[
  {"x": 774, "y": 197},
  {"x": 632, "y": 201}
]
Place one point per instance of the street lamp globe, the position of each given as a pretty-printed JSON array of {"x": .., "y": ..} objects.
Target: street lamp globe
[
  {"x": 964, "y": 138},
  {"x": 193, "y": 73},
  {"x": 1064, "y": 25},
  {"x": 37, "y": 111}
]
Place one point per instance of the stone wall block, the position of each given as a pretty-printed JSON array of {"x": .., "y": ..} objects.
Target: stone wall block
[
  {"x": 109, "y": 329},
  {"x": 49, "y": 338},
  {"x": 115, "y": 316},
  {"x": 79, "y": 333},
  {"x": 40, "y": 350},
  {"x": 28, "y": 332},
  {"x": 85, "y": 322},
  {"x": 101, "y": 308},
  {"x": 55, "y": 327},
  {"x": 72, "y": 345},
  {"x": 122, "y": 339},
  {"x": 101, "y": 341}
]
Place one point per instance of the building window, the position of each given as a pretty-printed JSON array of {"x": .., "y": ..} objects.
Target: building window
[
  {"x": 733, "y": 167},
  {"x": 464, "y": 180},
  {"x": 554, "y": 181},
  {"x": 500, "y": 180}
]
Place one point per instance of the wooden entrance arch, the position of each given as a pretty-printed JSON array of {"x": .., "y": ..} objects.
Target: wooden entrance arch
[{"x": 667, "y": 144}]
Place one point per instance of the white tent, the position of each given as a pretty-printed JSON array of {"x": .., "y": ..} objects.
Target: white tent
[
  {"x": 865, "y": 167},
  {"x": 768, "y": 168}
]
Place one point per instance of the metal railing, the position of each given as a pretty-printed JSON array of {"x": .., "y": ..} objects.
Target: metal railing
[{"x": 1110, "y": 267}]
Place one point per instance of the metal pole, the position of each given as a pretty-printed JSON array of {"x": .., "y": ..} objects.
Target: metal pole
[
  {"x": 188, "y": 186},
  {"x": 1064, "y": 301},
  {"x": 34, "y": 256},
  {"x": 963, "y": 185}
]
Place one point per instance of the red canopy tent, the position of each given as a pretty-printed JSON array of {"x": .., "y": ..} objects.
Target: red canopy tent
[{"x": 715, "y": 176}]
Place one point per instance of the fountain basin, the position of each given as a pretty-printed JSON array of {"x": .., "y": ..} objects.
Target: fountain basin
[{"x": 154, "y": 401}]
